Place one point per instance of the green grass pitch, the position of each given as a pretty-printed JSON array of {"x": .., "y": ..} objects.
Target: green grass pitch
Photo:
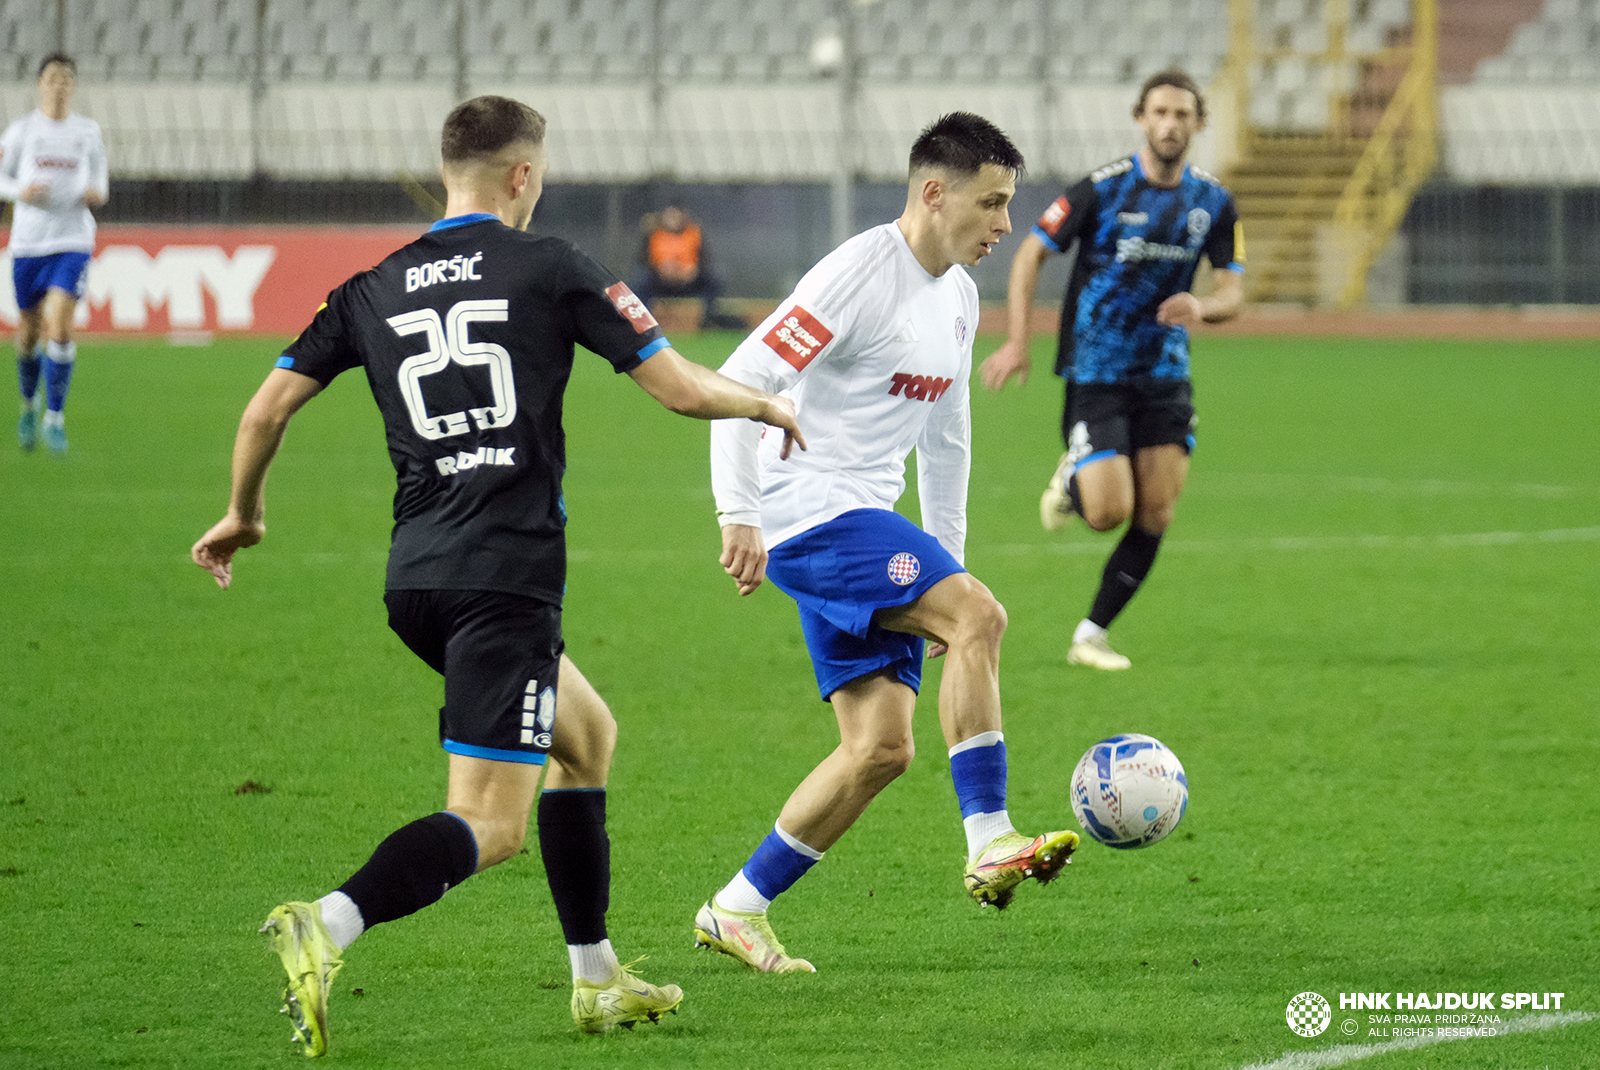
[{"x": 1370, "y": 637}]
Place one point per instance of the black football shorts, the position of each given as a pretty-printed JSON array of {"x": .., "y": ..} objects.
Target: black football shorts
[
  {"x": 1102, "y": 419},
  {"x": 500, "y": 655}
]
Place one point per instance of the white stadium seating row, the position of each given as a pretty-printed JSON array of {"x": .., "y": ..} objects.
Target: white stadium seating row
[
  {"x": 607, "y": 132},
  {"x": 358, "y": 88},
  {"x": 612, "y": 40}
]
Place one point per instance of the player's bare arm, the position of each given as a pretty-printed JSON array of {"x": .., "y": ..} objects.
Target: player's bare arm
[
  {"x": 744, "y": 556},
  {"x": 691, "y": 389},
  {"x": 260, "y": 433},
  {"x": 1012, "y": 358},
  {"x": 1187, "y": 310}
]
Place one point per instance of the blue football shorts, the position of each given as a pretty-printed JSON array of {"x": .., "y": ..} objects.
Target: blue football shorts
[
  {"x": 35, "y": 275},
  {"x": 843, "y": 572}
]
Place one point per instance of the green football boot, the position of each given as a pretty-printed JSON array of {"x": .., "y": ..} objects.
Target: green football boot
[
  {"x": 746, "y": 937},
  {"x": 624, "y": 1000},
  {"x": 993, "y": 876},
  {"x": 311, "y": 958}
]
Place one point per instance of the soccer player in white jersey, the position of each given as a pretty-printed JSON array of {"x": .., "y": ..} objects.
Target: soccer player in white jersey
[
  {"x": 53, "y": 164},
  {"x": 875, "y": 348}
]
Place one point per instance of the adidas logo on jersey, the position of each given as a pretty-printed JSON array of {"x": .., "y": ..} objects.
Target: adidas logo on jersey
[
  {"x": 485, "y": 455},
  {"x": 919, "y": 387}
]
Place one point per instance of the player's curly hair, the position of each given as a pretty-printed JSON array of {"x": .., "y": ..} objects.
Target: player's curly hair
[
  {"x": 482, "y": 126},
  {"x": 963, "y": 142},
  {"x": 1177, "y": 79}
]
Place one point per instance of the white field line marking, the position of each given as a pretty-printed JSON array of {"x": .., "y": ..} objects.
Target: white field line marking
[
  {"x": 1247, "y": 484},
  {"x": 1344, "y": 1053},
  {"x": 1319, "y": 542},
  {"x": 1078, "y": 546}
]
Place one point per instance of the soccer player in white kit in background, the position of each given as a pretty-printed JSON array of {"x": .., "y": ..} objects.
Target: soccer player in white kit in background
[
  {"x": 53, "y": 164},
  {"x": 875, "y": 348}
]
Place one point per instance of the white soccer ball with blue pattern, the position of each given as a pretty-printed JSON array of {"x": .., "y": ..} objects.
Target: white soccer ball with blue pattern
[{"x": 1129, "y": 791}]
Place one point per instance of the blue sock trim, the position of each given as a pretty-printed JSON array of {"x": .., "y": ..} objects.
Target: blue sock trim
[
  {"x": 470, "y": 835},
  {"x": 775, "y": 866},
  {"x": 980, "y": 779}
]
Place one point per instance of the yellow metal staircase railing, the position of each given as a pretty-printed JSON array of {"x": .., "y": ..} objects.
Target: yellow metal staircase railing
[
  {"x": 1325, "y": 202},
  {"x": 1399, "y": 157}
]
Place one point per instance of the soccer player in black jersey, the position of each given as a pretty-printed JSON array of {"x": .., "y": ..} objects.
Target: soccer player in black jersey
[
  {"x": 466, "y": 337},
  {"x": 1141, "y": 225}
]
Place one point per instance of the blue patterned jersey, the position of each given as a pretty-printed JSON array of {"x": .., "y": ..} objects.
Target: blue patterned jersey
[{"x": 1140, "y": 244}]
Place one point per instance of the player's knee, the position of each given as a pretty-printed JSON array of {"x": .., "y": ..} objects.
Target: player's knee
[
  {"x": 586, "y": 742},
  {"x": 600, "y": 741},
  {"x": 1104, "y": 516},
  {"x": 982, "y": 619},
  {"x": 497, "y": 838},
  {"x": 1156, "y": 519},
  {"x": 882, "y": 759}
]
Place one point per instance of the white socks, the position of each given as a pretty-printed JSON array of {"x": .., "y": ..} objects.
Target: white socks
[
  {"x": 342, "y": 917},
  {"x": 983, "y": 828},
  {"x": 1087, "y": 629},
  {"x": 595, "y": 963},
  {"x": 741, "y": 896}
]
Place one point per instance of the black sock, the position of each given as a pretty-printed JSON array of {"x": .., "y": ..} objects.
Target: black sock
[
  {"x": 577, "y": 860},
  {"x": 1125, "y": 570},
  {"x": 414, "y": 867}
]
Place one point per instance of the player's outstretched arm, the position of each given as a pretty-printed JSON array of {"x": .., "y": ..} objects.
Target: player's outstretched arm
[
  {"x": 1013, "y": 358},
  {"x": 260, "y": 432},
  {"x": 690, "y": 389}
]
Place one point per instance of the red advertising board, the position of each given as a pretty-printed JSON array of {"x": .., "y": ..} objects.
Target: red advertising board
[{"x": 263, "y": 279}]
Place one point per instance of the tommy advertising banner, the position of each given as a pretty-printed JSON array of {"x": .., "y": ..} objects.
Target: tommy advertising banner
[{"x": 247, "y": 278}]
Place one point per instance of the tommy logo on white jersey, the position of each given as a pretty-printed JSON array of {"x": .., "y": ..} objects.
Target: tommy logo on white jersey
[
  {"x": 798, "y": 338},
  {"x": 919, "y": 387}
]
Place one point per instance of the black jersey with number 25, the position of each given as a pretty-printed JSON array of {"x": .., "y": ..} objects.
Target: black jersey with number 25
[{"x": 467, "y": 339}]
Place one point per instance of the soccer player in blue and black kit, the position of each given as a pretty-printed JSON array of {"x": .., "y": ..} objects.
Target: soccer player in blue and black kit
[
  {"x": 467, "y": 340},
  {"x": 1141, "y": 225}
]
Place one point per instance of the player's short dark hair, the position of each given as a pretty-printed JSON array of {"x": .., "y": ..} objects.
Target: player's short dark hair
[
  {"x": 962, "y": 142},
  {"x": 482, "y": 126},
  {"x": 1177, "y": 79},
  {"x": 57, "y": 57}
]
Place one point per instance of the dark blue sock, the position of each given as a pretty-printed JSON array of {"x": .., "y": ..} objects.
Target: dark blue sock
[
  {"x": 28, "y": 366},
  {"x": 776, "y": 866},
  {"x": 979, "y": 774},
  {"x": 58, "y": 363}
]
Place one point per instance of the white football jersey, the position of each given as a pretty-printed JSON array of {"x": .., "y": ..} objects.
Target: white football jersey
[
  {"x": 68, "y": 156},
  {"x": 876, "y": 354}
]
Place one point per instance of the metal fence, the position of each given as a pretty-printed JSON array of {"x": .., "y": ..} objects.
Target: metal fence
[{"x": 1503, "y": 245}]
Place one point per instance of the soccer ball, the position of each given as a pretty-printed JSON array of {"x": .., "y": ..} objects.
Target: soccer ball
[{"x": 1129, "y": 791}]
